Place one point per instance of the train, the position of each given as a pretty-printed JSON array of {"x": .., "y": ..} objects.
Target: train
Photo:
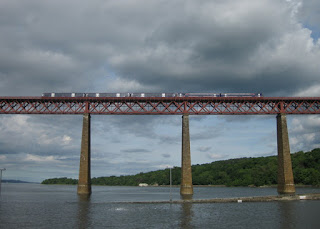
[{"x": 54, "y": 94}]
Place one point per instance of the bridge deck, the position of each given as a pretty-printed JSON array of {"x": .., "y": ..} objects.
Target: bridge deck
[{"x": 160, "y": 105}]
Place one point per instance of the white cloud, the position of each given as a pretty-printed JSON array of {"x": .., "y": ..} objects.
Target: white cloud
[
  {"x": 215, "y": 156},
  {"x": 39, "y": 134},
  {"x": 313, "y": 90},
  {"x": 163, "y": 166},
  {"x": 204, "y": 148},
  {"x": 124, "y": 85},
  {"x": 304, "y": 133},
  {"x": 36, "y": 158},
  {"x": 309, "y": 16},
  {"x": 66, "y": 139}
]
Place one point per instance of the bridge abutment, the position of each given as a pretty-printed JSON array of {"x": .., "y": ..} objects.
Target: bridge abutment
[
  {"x": 186, "y": 187},
  {"x": 84, "y": 184},
  {"x": 285, "y": 174}
]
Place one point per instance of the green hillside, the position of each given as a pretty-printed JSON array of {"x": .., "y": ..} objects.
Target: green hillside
[{"x": 234, "y": 172}]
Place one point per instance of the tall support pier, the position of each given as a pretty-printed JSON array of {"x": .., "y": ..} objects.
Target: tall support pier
[
  {"x": 186, "y": 187},
  {"x": 285, "y": 174},
  {"x": 84, "y": 184}
]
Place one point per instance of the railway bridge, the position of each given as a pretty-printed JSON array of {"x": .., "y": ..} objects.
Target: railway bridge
[{"x": 171, "y": 105}]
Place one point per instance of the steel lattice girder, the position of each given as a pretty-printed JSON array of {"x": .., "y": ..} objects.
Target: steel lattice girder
[{"x": 160, "y": 106}]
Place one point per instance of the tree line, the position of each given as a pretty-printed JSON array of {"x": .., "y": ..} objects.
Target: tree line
[{"x": 234, "y": 172}]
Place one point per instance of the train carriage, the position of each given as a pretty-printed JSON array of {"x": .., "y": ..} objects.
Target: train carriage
[{"x": 53, "y": 94}]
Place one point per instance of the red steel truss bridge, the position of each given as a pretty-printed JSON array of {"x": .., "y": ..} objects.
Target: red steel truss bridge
[{"x": 160, "y": 105}]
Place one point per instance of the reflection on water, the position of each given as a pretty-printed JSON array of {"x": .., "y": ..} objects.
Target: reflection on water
[
  {"x": 287, "y": 214},
  {"x": 186, "y": 212},
  {"x": 186, "y": 215},
  {"x": 40, "y": 206},
  {"x": 83, "y": 211},
  {"x": 186, "y": 197},
  {"x": 299, "y": 214}
]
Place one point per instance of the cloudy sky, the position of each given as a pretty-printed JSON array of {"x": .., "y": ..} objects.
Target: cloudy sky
[{"x": 266, "y": 46}]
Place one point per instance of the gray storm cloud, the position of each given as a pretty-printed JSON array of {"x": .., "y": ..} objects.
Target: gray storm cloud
[{"x": 258, "y": 46}]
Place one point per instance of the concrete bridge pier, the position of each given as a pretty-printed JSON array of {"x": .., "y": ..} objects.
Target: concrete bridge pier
[
  {"x": 84, "y": 184},
  {"x": 285, "y": 174},
  {"x": 186, "y": 187}
]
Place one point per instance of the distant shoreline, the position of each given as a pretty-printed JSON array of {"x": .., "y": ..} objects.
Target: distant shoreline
[
  {"x": 18, "y": 182},
  {"x": 212, "y": 186}
]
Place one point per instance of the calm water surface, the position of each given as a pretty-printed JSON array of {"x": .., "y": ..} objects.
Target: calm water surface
[{"x": 58, "y": 206}]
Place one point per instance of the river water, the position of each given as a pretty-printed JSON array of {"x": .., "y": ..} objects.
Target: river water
[{"x": 58, "y": 206}]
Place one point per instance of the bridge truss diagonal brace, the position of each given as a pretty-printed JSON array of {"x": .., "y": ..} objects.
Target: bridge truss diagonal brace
[{"x": 160, "y": 106}]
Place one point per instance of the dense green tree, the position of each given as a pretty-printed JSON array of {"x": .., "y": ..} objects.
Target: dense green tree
[
  {"x": 62, "y": 180},
  {"x": 235, "y": 172}
]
